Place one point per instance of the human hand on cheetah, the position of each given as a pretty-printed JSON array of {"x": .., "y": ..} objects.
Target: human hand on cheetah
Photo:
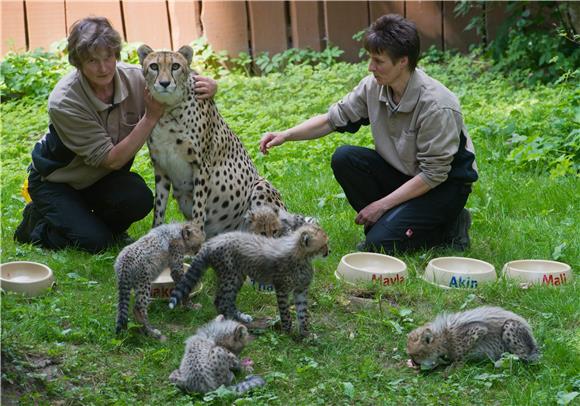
[
  {"x": 153, "y": 109},
  {"x": 205, "y": 88}
]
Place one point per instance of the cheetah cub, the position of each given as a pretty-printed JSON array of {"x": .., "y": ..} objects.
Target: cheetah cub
[
  {"x": 210, "y": 357},
  {"x": 273, "y": 222},
  {"x": 263, "y": 220},
  {"x": 283, "y": 262},
  {"x": 473, "y": 334},
  {"x": 138, "y": 265}
]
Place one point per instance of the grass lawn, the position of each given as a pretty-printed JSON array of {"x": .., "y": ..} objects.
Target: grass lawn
[{"x": 60, "y": 348}]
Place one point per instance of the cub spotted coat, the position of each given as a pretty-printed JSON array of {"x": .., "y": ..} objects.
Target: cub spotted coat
[
  {"x": 283, "y": 262},
  {"x": 194, "y": 151},
  {"x": 211, "y": 356},
  {"x": 484, "y": 332},
  {"x": 140, "y": 263}
]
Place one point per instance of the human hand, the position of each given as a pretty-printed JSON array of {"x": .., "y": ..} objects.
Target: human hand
[
  {"x": 153, "y": 109},
  {"x": 270, "y": 140},
  {"x": 370, "y": 214},
  {"x": 205, "y": 88}
]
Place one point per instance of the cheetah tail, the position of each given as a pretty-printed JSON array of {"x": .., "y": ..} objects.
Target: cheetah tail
[
  {"x": 123, "y": 305},
  {"x": 251, "y": 382},
  {"x": 189, "y": 280}
]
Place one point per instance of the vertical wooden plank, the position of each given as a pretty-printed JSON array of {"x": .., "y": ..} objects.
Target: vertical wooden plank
[
  {"x": 13, "y": 27},
  {"x": 427, "y": 15},
  {"x": 305, "y": 22},
  {"x": 185, "y": 22},
  {"x": 380, "y": 8},
  {"x": 455, "y": 36},
  {"x": 147, "y": 22},
  {"x": 79, "y": 9},
  {"x": 496, "y": 14},
  {"x": 46, "y": 22},
  {"x": 267, "y": 26},
  {"x": 225, "y": 25},
  {"x": 343, "y": 19}
]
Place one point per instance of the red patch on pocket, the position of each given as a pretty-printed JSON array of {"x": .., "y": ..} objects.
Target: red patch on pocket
[{"x": 409, "y": 233}]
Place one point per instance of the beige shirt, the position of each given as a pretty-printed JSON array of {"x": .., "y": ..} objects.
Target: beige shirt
[
  {"x": 419, "y": 136},
  {"x": 90, "y": 128}
]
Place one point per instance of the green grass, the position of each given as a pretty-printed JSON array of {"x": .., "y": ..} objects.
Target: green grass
[{"x": 359, "y": 355}]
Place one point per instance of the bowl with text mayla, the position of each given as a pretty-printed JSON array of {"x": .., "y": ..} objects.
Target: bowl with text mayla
[
  {"x": 540, "y": 271},
  {"x": 163, "y": 285},
  {"x": 30, "y": 278},
  {"x": 361, "y": 267},
  {"x": 459, "y": 272}
]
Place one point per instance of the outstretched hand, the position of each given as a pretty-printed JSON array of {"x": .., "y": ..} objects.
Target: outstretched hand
[
  {"x": 205, "y": 88},
  {"x": 270, "y": 140}
]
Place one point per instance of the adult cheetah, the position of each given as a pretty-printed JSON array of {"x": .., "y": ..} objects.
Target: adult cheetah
[{"x": 195, "y": 152}]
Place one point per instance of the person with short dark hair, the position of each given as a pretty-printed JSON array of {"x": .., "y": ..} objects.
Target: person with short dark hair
[
  {"x": 100, "y": 115},
  {"x": 409, "y": 191}
]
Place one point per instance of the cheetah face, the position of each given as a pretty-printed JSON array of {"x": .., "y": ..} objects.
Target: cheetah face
[
  {"x": 166, "y": 73},
  {"x": 424, "y": 348},
  {"x": 314, "y": 240}
]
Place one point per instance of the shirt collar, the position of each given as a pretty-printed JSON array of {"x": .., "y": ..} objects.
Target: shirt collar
[
  {"x": 120, "y": 94},
  {"x": 410, "y": 97}
]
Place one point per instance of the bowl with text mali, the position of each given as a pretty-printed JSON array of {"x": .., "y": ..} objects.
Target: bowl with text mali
[
  {"x": 538, "y": 271},
  {"x": 459, "y": 272},
  {"x": 30, "y": 278},
  {"x": 361, "y": 267}
]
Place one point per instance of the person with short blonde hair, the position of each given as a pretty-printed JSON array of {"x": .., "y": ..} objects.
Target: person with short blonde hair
[{"x": 100, "y": 115}]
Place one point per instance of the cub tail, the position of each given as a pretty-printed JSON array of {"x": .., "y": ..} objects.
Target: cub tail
[
  {"x": 124, "y": 297},
  {"x": 189, "y": 280},
  {"x": 251, "y": 382}
]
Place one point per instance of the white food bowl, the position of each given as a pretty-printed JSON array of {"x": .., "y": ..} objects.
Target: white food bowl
[
  {"x": 538, "y": 271},
  {"x": 31, "y": 278},
  {"x": 371, "y": 267},
  {"x": 459, "y": 272},
  {"x": 163, "y": 285}
]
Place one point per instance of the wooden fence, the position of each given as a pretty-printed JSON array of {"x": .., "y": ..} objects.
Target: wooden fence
[{"x": 236, "y": 26}]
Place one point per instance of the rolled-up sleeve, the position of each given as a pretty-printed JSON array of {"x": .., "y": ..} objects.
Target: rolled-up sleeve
[
  {"x": 352, "y": 111},
  {"x": 82, "y": 134},
  {"x": 437, "y": 143}
]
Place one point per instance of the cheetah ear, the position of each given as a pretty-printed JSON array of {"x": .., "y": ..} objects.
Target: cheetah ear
[
  {"x": 186, "y": 231},
  {"x": 427, "y": 336},
  {"x": 240, "y": 332},
  {"x": 305, "y": 239},
  {"x": 187, "y": 52},
  {"x": 143, "y": 51},
  {"x": 220, "y": 317}
]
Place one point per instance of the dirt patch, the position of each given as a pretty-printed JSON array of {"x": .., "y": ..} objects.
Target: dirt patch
[
  {"x": 24, "y": 373},
  {"x": 358, "y": 299}
]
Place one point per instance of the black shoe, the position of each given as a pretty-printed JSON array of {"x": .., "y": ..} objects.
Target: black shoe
[
  {"x": 362, "y": 246},
  {"x": 458, "y": 233},
  {"x": 30, "y": 218},
  {"x": 123, "y": 239}
]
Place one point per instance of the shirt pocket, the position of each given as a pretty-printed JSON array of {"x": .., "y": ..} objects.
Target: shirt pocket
[
  {"x": 406, "y": 146},
  {"x": 128, "y": 122}
]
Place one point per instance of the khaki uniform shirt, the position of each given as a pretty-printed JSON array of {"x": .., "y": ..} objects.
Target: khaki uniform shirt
[
  {"x": 419, "y": 136},
  {"x": 89, "y": 128}
]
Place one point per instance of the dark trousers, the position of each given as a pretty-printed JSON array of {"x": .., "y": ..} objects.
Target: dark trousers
[
  {"x": 90, "y": 218},
  {"x": 421, "y": 222}
]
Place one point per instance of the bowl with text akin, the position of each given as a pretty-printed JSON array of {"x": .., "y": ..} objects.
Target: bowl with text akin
[
  {"x": 364, "y": 267},
  {"x": 540, "y": 271},
  {"x": 30, "y": 278},
  {"x": 459, "y": 272}
]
